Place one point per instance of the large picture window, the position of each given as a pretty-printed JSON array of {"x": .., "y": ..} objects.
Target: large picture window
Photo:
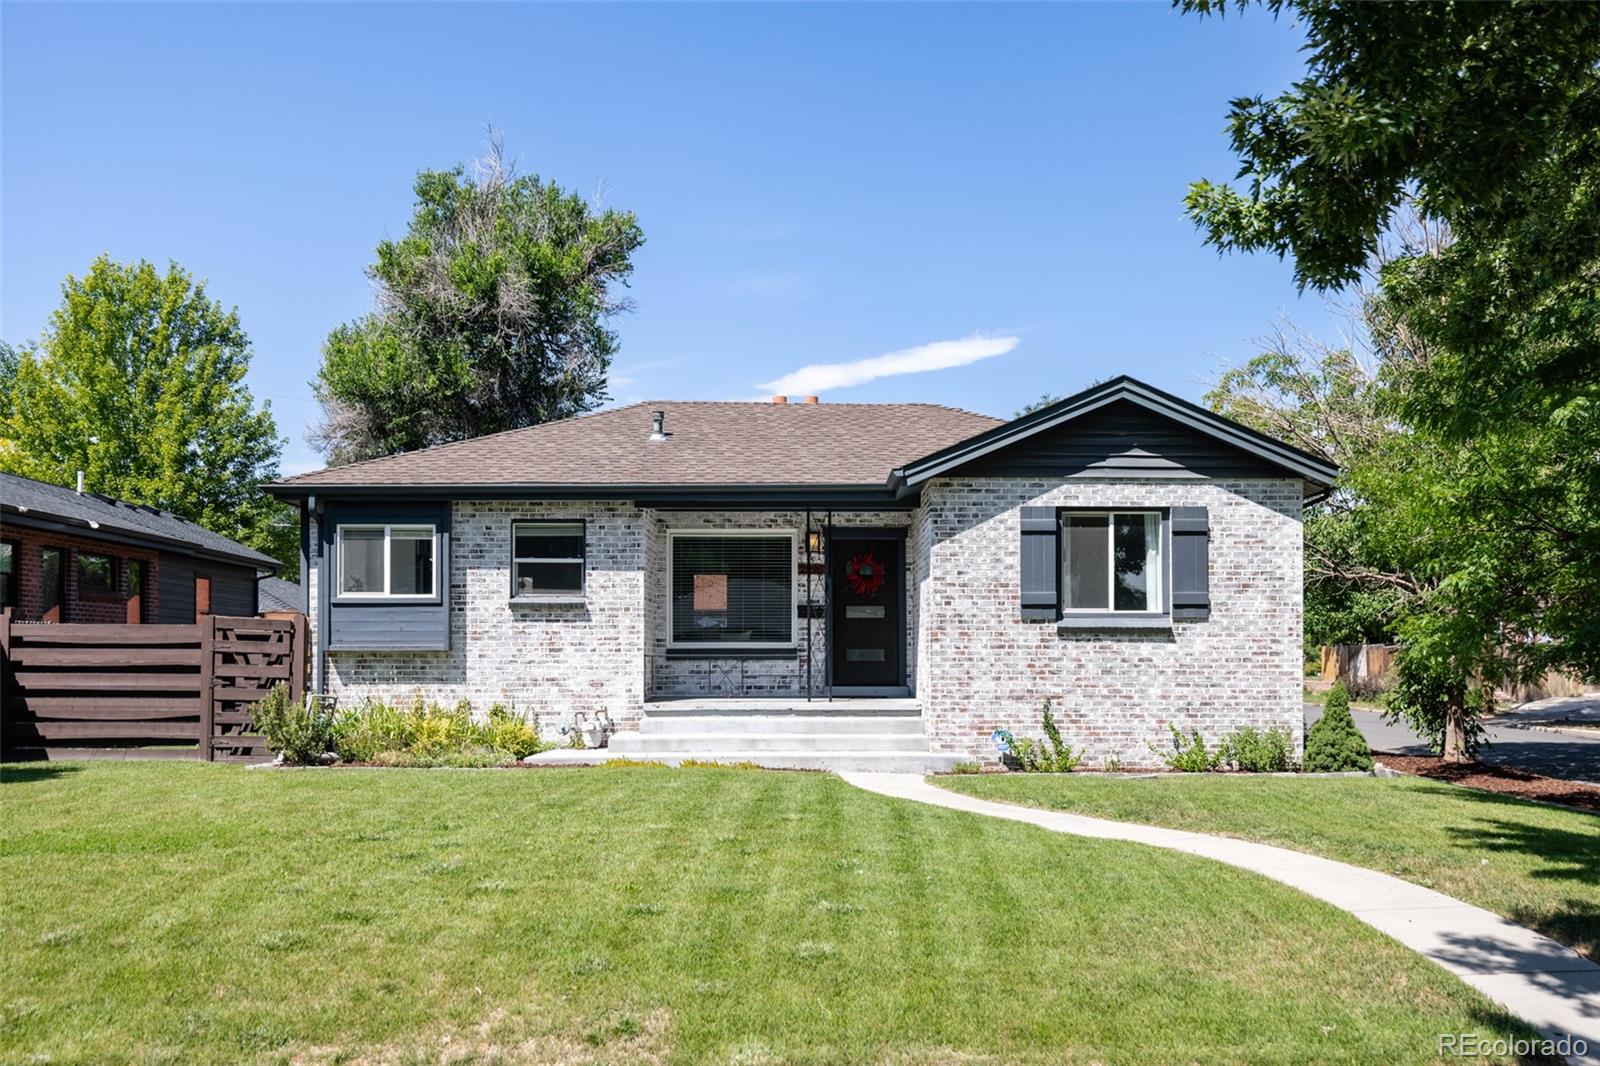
[
  {"x": 734, "y": 590},
  {"x": 396, "y": 562},
  {"x": 546, "y": 559},
  {"x": 1111, "y": 561}
]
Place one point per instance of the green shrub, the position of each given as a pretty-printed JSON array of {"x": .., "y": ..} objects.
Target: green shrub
[
  {"x": 300, "y": 735},
  {"x": 1257, "y": 751},
  {"x": 512, "y": 733},
  {"x": 1049, "y": 756},
  {"x": 1334, "y": 744},
  {"x": 966, "y": 768},
  {"x": 1189, "y": 753},
  {"x": 432, "y": 734}
]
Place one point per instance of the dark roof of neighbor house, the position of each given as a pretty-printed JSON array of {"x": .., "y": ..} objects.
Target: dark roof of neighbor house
[
  {"x": 889, "y": 448},
  {"x": 276, "y": 594},
  {"x": 93, "y": 513},
  {"x": 716, "y": 444}
]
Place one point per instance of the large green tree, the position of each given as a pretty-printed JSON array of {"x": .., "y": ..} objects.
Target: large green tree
[
  {"x": 138, "y": 381},
  {"x": 1483, "y": 119},
  {"x": 492, "y": 314}
]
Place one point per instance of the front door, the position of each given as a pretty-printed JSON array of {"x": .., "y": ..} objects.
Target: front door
[{"x": 867, "y": 586}]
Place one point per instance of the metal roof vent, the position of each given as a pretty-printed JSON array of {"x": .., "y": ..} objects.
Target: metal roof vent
[{"x": 657, "y": 425}]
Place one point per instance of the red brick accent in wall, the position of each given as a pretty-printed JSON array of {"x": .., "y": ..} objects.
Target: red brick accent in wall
[{"x": 76, "y": 608}]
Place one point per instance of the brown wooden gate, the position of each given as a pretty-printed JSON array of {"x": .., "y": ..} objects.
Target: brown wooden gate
[{"x": 143, "y": 691}]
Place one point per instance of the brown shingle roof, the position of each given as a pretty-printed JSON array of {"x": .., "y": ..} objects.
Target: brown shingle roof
[{"x": 708, "y": 444}]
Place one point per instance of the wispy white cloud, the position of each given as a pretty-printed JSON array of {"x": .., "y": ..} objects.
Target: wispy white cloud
[{"x": 940, "y": 355}]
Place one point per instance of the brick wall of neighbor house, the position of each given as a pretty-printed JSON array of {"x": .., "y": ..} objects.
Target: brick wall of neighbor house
[
  {"x": 100, "y": 609},
  {"x": 550, "y": 660},
  {"x": 982, "y": 667},
  {"x": 731, "y": 675}
]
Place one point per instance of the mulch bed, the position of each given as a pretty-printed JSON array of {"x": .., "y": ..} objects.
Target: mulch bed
[{"x": 1492, "y": 778}]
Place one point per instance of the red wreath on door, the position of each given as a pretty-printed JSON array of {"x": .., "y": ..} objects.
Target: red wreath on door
[{"x": 864, "y": 574}]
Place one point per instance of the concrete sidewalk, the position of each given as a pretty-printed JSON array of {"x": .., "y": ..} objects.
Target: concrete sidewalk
[{"x": 1551, "y": 987}]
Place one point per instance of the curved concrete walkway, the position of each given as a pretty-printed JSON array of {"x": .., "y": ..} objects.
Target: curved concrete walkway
[{"x": 1549, "y": 986}]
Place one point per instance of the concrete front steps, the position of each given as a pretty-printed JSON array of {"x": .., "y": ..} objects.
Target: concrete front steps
[{"x": 883, "y": 735}]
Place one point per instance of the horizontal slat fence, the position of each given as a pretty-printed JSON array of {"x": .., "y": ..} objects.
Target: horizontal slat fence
[{"x": 143, "y": 691}]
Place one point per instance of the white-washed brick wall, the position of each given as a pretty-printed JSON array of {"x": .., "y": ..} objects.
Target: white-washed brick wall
[
  {"x": 982, "y": 667},
  {"x": 550, "y": 660},
  {"x": 732, "y": 675}
]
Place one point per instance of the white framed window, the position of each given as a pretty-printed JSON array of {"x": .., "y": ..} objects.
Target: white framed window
[
  {"x": 390, "y": 562},
  {"x": 1112, "y": 561},
  {"x": 731, "y": 588},
  {"x": 547, "y": 559}
]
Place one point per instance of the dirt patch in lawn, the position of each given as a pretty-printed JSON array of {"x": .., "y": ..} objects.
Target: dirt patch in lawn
[{"x": 1492, "y": 778}]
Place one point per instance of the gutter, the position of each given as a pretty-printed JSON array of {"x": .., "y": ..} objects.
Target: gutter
[{"x": 119, "y": 535}]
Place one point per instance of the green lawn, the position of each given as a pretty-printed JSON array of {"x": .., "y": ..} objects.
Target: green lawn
[
  {"x": 1535, "y": 864},
  {"x": 161, "y": 912}
]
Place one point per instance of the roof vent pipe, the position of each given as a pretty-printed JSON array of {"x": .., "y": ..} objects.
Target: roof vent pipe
[
  {"x": 811, "y": 399},
  {"x": 780, "y": 399},
  {"x": 80, "y": 483},
  {"x": 657, "y": 425}
]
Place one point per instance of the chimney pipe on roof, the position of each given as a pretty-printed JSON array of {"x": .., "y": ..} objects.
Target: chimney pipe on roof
[
  {"x": 80, "y": 483},
  {"x": 811, "y": 399},
  {"x": 658, "y": 425},
  {"x": 780, "y": 399}
]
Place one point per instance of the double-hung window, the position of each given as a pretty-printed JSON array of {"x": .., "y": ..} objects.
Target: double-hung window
[
  {"x": 395, "y": 562},
  {"x": 732, "y": 590},
  {"x": 547, "y": 560},
  {"x": 1111, "y": 561}
]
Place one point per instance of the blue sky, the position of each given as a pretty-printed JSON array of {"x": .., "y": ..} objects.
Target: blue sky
[{"x": 993, "y": 189}]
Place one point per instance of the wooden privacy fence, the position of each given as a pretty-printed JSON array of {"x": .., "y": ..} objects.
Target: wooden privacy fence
[
  {"x": 143, "y": 691},
  {"x": 1356, "y": 662}
]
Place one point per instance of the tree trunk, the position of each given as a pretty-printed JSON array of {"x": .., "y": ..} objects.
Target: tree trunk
[{"x": 1455, "y": 732}]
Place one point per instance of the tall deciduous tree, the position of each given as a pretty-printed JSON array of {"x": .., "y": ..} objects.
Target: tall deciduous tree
[
  {"x": 138, "y": 381},
  {"x": 1482, "y": 117},
  {"x": 492, "y": 315}
]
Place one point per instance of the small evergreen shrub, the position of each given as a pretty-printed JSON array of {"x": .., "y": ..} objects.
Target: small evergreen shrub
[
  {"x": 1334, "y": 744},
  {"x": 966, "y": 768},
  {"x": 1257, "y": 751},
  {"x": 1048, "y": 756},
  {"x": 1188, "y": 754},
  {"x": 300, "y": 735}
]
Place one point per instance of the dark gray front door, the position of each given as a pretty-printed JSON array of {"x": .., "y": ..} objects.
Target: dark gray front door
[{"x": 867, "y": 585}]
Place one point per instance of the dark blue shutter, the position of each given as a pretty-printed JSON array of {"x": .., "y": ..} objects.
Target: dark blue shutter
[
  {"x": 1191, "y": 565},
  {"x": 1039, "y": 553}
]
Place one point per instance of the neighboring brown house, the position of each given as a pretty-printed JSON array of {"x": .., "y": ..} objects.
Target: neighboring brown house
[{"x": 68, "y": 556}]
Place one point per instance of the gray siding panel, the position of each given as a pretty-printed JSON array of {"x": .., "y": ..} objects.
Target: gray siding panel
[
  {"x": 233, "y": 589},
  {"x": 1120, "y": 440},
  {"x": 175, "y": 591},
  {"x": 386, "y": 626}
]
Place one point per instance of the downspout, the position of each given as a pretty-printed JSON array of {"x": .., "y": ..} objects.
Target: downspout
[{"x": 319, "y": 655}]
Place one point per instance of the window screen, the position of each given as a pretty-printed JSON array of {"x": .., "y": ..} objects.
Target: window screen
[
  {"x": 546, "y": 558},
  {"x": 1111, "y": 561},
  {"x": 386, "y": 560},
  {"x": 733, "y": 590}
]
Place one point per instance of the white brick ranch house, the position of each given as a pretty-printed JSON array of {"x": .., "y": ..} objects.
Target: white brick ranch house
[{"x": 741, "y": 579}]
